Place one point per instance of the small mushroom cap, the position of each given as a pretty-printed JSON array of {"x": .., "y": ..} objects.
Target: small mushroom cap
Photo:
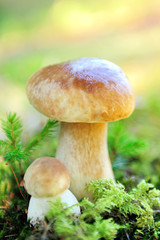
[
  {"x": 46, "y": 177},
  {"x": 83, "y": 90}
]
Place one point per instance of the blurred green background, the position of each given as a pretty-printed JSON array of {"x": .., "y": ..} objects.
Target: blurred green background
[{"x": 37, "y": 33}]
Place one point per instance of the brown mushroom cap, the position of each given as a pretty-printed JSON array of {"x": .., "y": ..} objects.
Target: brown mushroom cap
[
  {"x": 83, "y": 90},
  {"x": 46, "y": 177}
]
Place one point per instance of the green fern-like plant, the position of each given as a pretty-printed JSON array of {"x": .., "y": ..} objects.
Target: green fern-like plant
[
  {"x": 12, "y": 148},
  {"x": 15, "y": 152},
  {"x": 123, "y": 144},
  {"x": 124, "y": 149},
  {"x": 47, "y": 132}
]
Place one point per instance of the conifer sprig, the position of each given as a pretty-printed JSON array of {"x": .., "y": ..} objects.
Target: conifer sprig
[
  {"x": 13, "y": 149},
  {"x": 46, "y": 133},
  {"x": 122, "y": 143},
  {"x": 12, "y": 128}
]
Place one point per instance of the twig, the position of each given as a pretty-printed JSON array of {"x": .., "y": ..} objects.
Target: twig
[
  {"x": 12, "y": 235},
  {"x": 17, "y": 182}
]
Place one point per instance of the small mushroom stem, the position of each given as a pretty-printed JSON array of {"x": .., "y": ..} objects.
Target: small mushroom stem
[
  {"x": 38, "y": 207},
  {"x": 83, "y": 149}
]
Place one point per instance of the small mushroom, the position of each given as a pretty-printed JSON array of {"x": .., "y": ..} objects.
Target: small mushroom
[
  {"x": 84, "y": 95},
  {"x": 47, "y": 179}
]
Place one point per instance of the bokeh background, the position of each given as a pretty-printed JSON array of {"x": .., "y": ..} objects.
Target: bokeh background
[{"x": 37, "y": 33}]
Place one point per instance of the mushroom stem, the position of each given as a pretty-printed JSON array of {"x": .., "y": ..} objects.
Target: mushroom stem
[
  {"x": 38, "y": 207},
  {"x": 83, "y": 149}
]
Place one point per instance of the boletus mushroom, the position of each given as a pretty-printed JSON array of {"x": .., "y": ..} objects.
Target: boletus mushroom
[
  {"x": 47, "y": 179},
  {"x": 83, "y": 95}
]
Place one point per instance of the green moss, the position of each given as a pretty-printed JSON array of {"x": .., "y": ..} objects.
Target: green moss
[{"x": 114, "y": 214}]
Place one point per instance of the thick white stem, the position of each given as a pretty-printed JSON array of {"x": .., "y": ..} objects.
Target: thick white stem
[
  {"x": 38, "y": 207},
  {"x": 83, "y": 149}
]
